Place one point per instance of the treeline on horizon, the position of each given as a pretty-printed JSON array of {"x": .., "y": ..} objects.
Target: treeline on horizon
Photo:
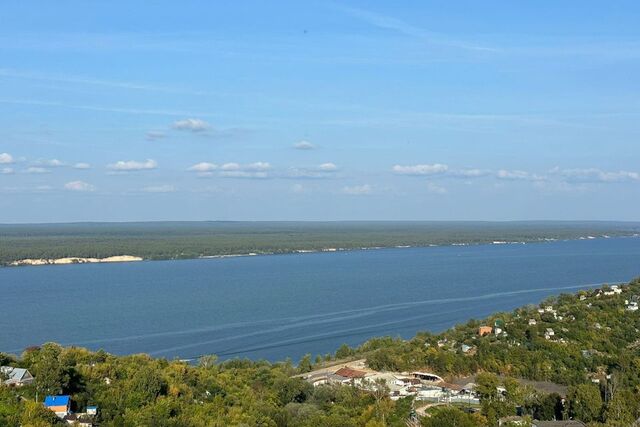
[
  {"x": 184, "y": 240},
  {"x": 596, "y": 339}
]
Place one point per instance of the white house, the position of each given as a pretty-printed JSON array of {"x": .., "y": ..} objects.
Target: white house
[{"x": 613, "y": 290}]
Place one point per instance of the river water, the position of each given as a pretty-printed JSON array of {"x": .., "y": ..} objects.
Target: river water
[{"x": 281, "y": 306}]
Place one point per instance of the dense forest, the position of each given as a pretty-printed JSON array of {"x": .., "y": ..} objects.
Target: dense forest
[
  {"x": 182, "y": 240},
  {"x": 594, "y": 351}
]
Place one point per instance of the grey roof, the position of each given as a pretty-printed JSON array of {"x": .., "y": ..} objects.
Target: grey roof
[{"x": 15, "y": 374}]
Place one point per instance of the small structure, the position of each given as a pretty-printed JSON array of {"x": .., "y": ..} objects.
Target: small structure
[
  {"x": 350, "y": 373},
  {"x": 426, "y": 376},
  {"x": 632, "y": 306},
  {"x": 61, "y": 405},
  {"x": 80, "y": 420},
  {"x": 403, "y": 382},
  {"x": 16, "y": 377},
  {"x": 468, "y": 388},
  {"x": 92, "y": 410},
  {"x": 512, "y": 420},
  {"x": 549, "y": 333},
  {"x": 613, "y": 290},
  {"x": 485, "y": 330},
  {"x": 344, "y": 375},
  {"x": 466, "y": 348},
  {"x": 566, "y": 423},
  {"x": 532, "y": 322}
]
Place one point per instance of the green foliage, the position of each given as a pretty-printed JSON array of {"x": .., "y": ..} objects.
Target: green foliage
[
  {"x": 33, "y": 414},
  {"x": 449, "y": 417},
  {"x": 181, "y": 240},
  {"x": 586, "y": 402}
]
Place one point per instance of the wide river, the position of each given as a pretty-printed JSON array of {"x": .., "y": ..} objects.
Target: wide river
[{"x": 282, "y": 306}]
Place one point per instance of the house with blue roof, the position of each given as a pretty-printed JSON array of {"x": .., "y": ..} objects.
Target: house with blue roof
[{"x": 61, "y": 405}]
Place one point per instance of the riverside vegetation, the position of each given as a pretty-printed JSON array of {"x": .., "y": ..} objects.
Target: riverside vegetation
[
  {"x": 183, "y": 240},
  {"x": 595, "y": 351}
]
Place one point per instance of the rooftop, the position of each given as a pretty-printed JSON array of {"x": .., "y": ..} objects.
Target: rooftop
[{"x": 57, "y": 401}]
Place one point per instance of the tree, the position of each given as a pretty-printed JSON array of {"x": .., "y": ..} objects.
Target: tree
[
  {"x": 622, "y": 407},
  {"x": 487, "y": 386},
  {"x": 585, "y": 402},
  {"x": 208, "y": 361},
  {"x": 448, "y": 417},
  {"x": 343, "y": 352},
  {"x": 305, "y": 364},
  {"x": 34, "y": 414},
  {"x": 52, "y": 375}
]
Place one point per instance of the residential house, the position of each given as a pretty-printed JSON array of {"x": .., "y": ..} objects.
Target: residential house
[
  {"x": 16, "y": 377},
  {"x": 79, "y": 420},
  {"x": 549, "y": 333},
  {"x": 61, "y": 405},
  {"x": 485, "y": 330},
  {"x": 350, "y": 373}
]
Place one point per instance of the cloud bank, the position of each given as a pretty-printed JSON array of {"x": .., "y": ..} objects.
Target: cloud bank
[{"x": 132, "y": 165}]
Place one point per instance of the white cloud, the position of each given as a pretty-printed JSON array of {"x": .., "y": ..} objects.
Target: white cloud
[
  {"x": 203, "y": 167},
  {"x": 470, "y": 173},
  {"x": 435, "y": 188},
  {"x": 390, "y": 23},
  {"x": 192, "y": 125},
  {"x": 595, "y": 175},
  {"x": 132, "y": 165},
  {"x": 159, "y": 189},
  {"x": 518, "y": 175},
  {"x": 79, "y": 186},
  {"x": 6, "y": 171},
  {"x": 231, "y": 166},
  {"x": 258, "y": 166},
  {"x": 82, "y": 165},
  {"x": 233, "y": 169},
  {"x": 325, "y": 170},
  {"x": 153, "y": 135},
  {"x": 304, "y": 145},
  {"x": 357, "y": 190},
  {"x": 37, "y": 170},
  {"x": 328, "y": 167},
  {"x": 51, "y": 163},
  {"x": 243, "y": 174},
  {"x": 418, "y": 170},
  {"x": 6, "y": 158}
]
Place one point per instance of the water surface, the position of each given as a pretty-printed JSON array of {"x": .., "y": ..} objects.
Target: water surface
[{"x": 282, "y": 306}]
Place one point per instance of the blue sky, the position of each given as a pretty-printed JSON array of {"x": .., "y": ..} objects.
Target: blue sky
[{"x": 281, "y": 110}]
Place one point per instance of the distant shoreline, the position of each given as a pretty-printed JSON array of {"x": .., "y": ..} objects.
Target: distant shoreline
[{"x": 33, "y": 262}]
